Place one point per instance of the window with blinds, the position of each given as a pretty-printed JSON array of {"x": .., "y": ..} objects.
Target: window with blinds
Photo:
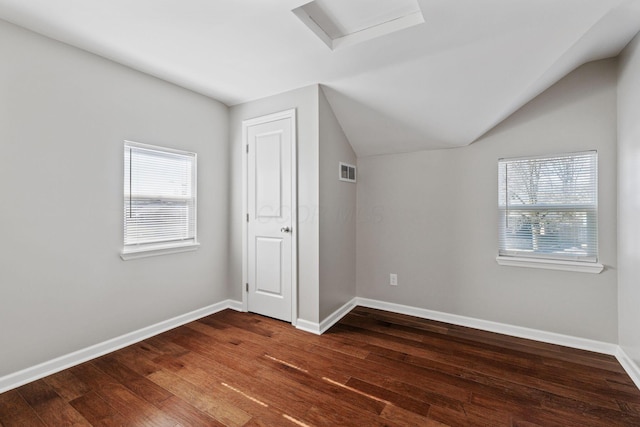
[
  {"x": 549, "y": 207},
  {"x": 159, "y": 197}
]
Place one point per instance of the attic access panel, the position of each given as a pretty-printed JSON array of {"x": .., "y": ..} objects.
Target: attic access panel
[{"x": 340, "y": 23}]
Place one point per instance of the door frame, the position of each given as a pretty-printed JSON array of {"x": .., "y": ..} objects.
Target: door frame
[{"x": 287, "y": 114}]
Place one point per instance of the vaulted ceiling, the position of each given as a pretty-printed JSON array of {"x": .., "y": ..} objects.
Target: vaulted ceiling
[{"x": 442, "y": 83}]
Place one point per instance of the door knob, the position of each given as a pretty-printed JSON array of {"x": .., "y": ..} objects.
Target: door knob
[{"x": 285, "y": 230}]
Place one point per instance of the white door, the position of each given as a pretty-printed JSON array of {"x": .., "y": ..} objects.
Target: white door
[{"x": 270, "y": 220}]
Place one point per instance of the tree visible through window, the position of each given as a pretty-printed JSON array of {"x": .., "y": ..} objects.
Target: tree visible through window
[
  {"x": 549, "y": 207},
  {"x": 159, "y": 197}
]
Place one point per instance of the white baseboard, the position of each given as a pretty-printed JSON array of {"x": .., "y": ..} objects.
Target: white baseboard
[
  {"x": 629, "y": 365},
  {"x": 235, "y": 305},
  {"x": 501, "y": 328},
  {"x": 335, "y": 317},
  {"x": 25, "y": 376},
  {"x": 632, "y": 369},
  {"x": 332, "y": 319},
  {"x": 44, "y": 369},
  {"x": 307, "y": 326}
]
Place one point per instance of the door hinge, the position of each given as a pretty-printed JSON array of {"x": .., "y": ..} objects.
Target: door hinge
[
  {"x": 247, "y": 287},
  {"x": 247, "y": 217},
  {"x": 247, "y": 148}
]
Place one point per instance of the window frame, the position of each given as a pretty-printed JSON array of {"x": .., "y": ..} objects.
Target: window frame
[
  {"x": 148, "y": 249},
  {"x": 515, "y": 258}
]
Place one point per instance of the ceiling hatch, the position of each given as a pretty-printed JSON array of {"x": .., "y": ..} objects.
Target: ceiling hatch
[{"x": 340, "y": 23}]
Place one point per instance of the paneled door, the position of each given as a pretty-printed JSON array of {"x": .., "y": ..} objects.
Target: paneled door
[{"x": 270, "y": 185}]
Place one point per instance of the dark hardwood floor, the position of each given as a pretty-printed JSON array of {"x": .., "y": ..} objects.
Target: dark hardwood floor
[{"x": 372, "y": 369}]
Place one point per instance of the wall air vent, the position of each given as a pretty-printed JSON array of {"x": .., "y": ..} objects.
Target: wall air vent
[
  {"x": 346, "y": 172},
  {"x": 340, "y": 23}
]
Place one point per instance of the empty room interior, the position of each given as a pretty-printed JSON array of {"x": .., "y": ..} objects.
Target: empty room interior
[{"x": 327, "y": 212}]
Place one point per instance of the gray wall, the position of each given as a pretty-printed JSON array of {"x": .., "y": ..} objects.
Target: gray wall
[
  {"x": 64, "y": 114},
  {"x": 305, "y": 101},
  {"x": 431, "y": 217},
  {"x": 326, "y": 206},
  {"x": 337, "y": 216},
  {"x": 629, "y": 200}
]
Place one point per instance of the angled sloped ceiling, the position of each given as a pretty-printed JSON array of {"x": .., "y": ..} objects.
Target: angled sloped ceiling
[
  {"x": 600, "y": 41},
  {"x": 452, "y": 97},
  {"x": 439, "y": 84}
]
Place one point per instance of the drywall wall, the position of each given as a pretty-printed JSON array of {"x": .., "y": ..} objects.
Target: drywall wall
[
  {"x": 432, "y": 218},
  {"x": 64, "y": 115},
  {"x": 305, "y": 101},
  {"x": 629, "y": 200},
  {"x": 326, "y": 206},
  {"x": 337, "y": 215}
]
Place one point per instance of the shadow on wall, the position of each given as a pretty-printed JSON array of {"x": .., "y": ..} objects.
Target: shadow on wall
[{"x": 566, "y": 92}]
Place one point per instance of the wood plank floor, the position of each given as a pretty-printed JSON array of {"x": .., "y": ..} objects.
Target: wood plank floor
[{"x": 372, "y": 369}]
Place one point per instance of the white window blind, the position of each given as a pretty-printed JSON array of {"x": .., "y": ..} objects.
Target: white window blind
[
  {"x": 159, "y": 197},
  {"x": 549, "y": 207}
]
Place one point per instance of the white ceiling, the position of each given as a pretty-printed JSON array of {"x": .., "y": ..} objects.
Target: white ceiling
[
  {"x": 440, "y": 84},
  {"x": 340, "y": 23}
]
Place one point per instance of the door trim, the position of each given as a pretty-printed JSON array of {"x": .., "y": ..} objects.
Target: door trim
[{"x": 287, "y": 114}]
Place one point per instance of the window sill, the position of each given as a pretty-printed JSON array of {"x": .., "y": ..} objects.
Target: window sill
[
  {"x": 149, "y": 251},
  {"x": 577, "y": 266}
]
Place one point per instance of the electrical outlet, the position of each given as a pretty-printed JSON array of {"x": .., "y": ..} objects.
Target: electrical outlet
[{"x": 393, "y": 279}]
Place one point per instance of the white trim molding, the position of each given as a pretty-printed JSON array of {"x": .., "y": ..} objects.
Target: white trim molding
[
  {"x": 470, "y": 322},
  {"x": 16, "y": 379},
  {"x": 551, "y": 264},
  {"x": 500, "y": 328},
  {"x": 328, "y": 322},
  {"x": 307, "y": 326},
  {"x": 128, "y": 254},
  {"x": 53, "y": 366},
  {"x": 629, "y": 365},
  {"x": 235, "y": 305}
]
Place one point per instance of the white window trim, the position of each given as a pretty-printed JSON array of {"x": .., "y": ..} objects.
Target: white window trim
[
  {"x": 551, "y": 264},
  {"x": 150, "y": 250},
  {"x": 537, "y": 261}
]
